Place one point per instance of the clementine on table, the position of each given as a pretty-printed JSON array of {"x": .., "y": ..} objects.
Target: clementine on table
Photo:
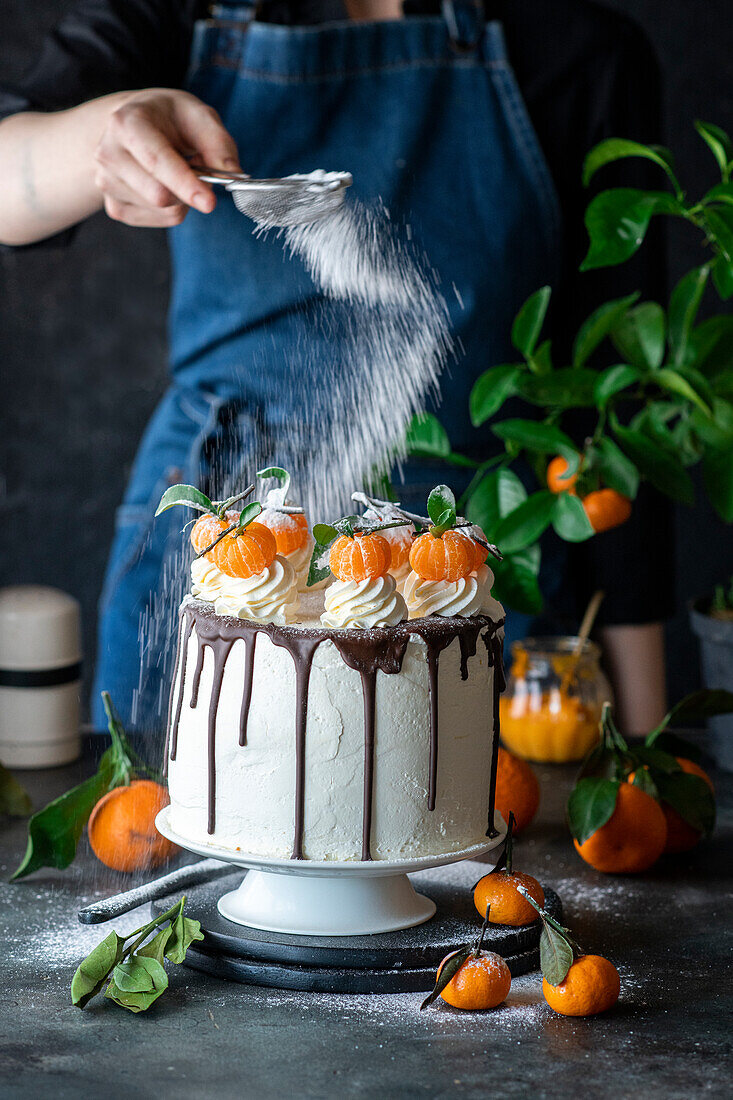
[
  {"x": 517, "y": 789},
  {"x": 482, "y": 982},
  {"x": 122, "y": 831},
  {"x": 359, "y": 557},
  {"x": 556, "y": 482},
  {"x": 245, "y": 553},
  {"x": 632, "y": 839},
  {"x": 592, "y": 985},
  {"x": 444, "y": 557},
  {"x": 605, "y": 508}
]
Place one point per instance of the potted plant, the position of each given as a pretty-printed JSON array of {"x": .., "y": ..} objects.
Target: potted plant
[{"x": 664, "y": 406}]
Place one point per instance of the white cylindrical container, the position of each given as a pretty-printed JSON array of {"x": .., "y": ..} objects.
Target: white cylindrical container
[{"x": 40, "y": 671}]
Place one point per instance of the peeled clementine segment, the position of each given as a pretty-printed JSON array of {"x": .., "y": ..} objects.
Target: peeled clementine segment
[
  {"x": 246, "y": 553},
  {"x": 359, "y": 558},
  {"x": 290, "y": 531},
  {"x": 446, "y": 557}
]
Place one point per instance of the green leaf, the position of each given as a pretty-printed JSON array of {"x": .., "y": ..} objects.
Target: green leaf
[
  {"x": 525, "y": 524},
  {"x": 450, "y": 968},
  {"x": 249, "y": 512},
  {"x": 684, "y": 303},
  {"x": 156, "y": 948},
  {"x": 613, "y": 149},
  {"x": 14, "y": 799},
  {"x": 185, "y": 494},
  {"x": 699, "y": 706},
  {"x": 529, "y": 321},
  {"x": 541, "y": 360},
  {"x": 533, "y": 435},
  {"x": 54, "y": 831},
  {"x": 91, "y": 975},
  {"x": 324, "y": 534},
  {"x": 183, "y": 932},
  {"x": 717, "y": 469},
  {"x": 282, "y": 476},
  {"x": 617, "y": 471},
  {"x": 617, "y": 222},
  {"x": 491, "y": 390},
  {"x": 565, "y": 388},
  {"x": 653, "y": 756},
  {"x": 569, "y": 519},
  {"x": 612, "y": 381},
  {"x": 663, "y": 471},
  {"x": 556, "y": 955},
  {"x": 426, "y": 437},
  {"x": 133, "y": 976},
  {"x": 674, "y": 382},
  {"x": 711, "y": 345},
  {"x": 721, "y": 193},
  {"x": 441, "y": 501},
  {"x": 718, "y": 142},
  {"x": 720, "y": 221},
  {"x": 319, "y": 569},
  {"x": 598, "y": 326},
  {"x": 723, "y": 278},
  {"x": 495, "y": 496},
  {"x": 640, "y": 336},
  {"x": 591, "y": 804},
  {"x": 645, "y": 783},
  {"x": 141, "y": 999},
  {"x": 690, "y": 796},
  {"x": 515, "y": 581}
]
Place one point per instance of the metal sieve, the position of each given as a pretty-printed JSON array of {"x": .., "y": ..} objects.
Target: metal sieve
[{"x": 277, "y": 203}]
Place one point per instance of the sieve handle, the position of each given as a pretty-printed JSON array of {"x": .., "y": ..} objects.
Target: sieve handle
[{"x": 193, "y": 874}]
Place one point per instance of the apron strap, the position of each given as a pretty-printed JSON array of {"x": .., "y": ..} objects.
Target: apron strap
[{"x": 465, "y": 20}]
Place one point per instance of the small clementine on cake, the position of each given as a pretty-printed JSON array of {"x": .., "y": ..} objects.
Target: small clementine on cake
[
  {"x": 499, "y": 890},
  {"x": 207, "y": 529},
  {"x": 122, "y": 831},
  {"x": 288, "y": 524},
  {"x": 472, "y": 979},
  {"x": 359, "y": 557},
  {"x": 246, "y": 552},
  {"x": 447, "y": 556}
]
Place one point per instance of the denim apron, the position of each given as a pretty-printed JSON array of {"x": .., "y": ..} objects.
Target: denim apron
[{"x": 426, "y": 114}]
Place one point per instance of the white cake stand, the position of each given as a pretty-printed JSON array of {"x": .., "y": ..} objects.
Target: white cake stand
[{"x": 329, "y": 898}]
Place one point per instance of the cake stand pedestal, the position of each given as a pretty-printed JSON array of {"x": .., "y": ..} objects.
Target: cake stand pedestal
[{"x": 311, "y": 898}]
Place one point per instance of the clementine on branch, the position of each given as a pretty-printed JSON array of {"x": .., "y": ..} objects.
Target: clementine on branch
[
  {"x": 122, "y": 831},
  {"x": 556, "y": 482},
  {"x": 605, "y": 508}
]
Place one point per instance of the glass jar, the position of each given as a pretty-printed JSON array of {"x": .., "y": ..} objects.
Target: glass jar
[{"x": 552, "y": 704}]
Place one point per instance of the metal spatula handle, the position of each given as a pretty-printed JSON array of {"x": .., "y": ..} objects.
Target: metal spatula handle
[{"x": 193, "y": 874}]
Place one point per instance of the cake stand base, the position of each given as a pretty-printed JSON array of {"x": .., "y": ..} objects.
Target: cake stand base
[
  {"x": 327, "y": 898},
  {"x": 326, "y": 905}
]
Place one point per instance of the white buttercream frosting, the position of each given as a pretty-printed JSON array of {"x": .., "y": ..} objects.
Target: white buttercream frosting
[
  {"x": 268, "y": 597},
  {"x": 373, "y": 602},
  {"x": 468, "y": 596}
]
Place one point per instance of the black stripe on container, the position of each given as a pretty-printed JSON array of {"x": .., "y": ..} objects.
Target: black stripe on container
[{"x": 40, "y": 677}]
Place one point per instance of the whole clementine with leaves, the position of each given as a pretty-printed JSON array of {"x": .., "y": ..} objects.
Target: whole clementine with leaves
[
  {"x": 290, "y": 531},
  {"x": 517, "y": 789},
  {"x": 499, "y": 890},
  {"x": 245, "y": 553},
  {"x": 207, "y": 528},
  {"x": 359, "y": 557},
  {"x": 482, "y": 982},
  {"x": 681, "y": 836},
  {"x": 592, "y": 985},
  {"x": 632, "y": 839},
  {"x": 122, "y": 831},
  {"x": 445, "y": 557},
  {"x": 605, "y": 508},
  {"x": 556, "y": 480}
]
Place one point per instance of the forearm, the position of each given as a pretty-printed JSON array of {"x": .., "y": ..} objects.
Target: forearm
[
  {"x": 634, "y": 658},
  {"x": 47, "y": 169}
]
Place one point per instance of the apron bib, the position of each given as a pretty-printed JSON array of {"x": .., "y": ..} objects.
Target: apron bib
[{"x": 426, "y": 114}]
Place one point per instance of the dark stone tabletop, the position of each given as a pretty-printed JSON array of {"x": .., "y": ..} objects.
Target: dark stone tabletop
[{"x": 669, "y": 933}]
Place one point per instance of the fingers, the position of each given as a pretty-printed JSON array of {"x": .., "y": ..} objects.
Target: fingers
[
  {"x": 204, "y": 132},
  {"x": 133, "y": 130},
  {"x": 144, "y": 217},
  {"x": 120, "y": 176}
]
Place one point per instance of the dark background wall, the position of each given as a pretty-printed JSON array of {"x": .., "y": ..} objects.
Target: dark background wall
[{"x": 82, "y": 342}]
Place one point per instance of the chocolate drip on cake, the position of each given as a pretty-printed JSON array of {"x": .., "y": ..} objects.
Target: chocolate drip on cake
[
  {"x": 494, "y": 647},
  {"x": 183, "y": 640},
  {"x": 365, "y": 651},
  {"x": 249, "y": 665}
]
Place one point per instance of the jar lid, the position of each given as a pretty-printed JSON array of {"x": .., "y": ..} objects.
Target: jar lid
[{"x": 39, "y": 628}]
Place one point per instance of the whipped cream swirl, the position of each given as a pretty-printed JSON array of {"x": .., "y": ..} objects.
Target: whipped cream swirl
[
  {"x": 268, "y": 597},
  {"x": 373, "y": 602},
  {"x": 464, "y": 598}
]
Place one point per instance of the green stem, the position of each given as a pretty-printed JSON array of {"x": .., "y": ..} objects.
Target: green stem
[
  {"x": 225, "y": 505},
  {"x": 145, "y": 932}
]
